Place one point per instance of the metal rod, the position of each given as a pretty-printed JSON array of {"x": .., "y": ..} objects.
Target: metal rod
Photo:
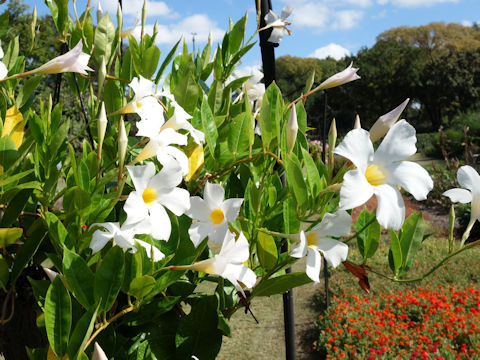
[
  {"x": 268, "y": 64},
  {"x": 324, "y": 150}
]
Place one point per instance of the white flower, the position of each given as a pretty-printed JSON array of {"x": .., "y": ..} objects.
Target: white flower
[
  {"x": 228, "y": 263},
  {"x": 253, "y": 87},
  {"x": 73, "y": 61},
  {"x": 3, "y": 67},
  {"x": 144, "y": 103},
  {"x": 278, "y": 24},
  {"x": 357, "y": 124},
  {"x": 212, "y": 214},
  {"x": 378, "y": 173},
  {"x": 145, "y": 206},
  {"x": 469, "y": 179},
  {"x": 385, "y": 122},
  {"x": 318, "y": 241},
  {"x": 123, "y": 236},
  {"x": 343, "y": 77}
]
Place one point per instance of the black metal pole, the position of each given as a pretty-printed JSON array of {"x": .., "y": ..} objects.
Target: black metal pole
[
  {"x": 324, "y": 150},
  {"x": 268, "y": 63}
]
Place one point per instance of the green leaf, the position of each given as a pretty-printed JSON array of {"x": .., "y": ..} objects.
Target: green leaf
[
  {"x": 27, "y": 89},
  {"x": 209, "y": 126},
  {"x": 109, "y": 278},
  {"x": 235, "y": 36},
  {"x": 215, "y": 95},
  {"x": 368, "y": 239},
  {"x": 9, "y": 179},
  {"x": 35, "y": 235},
  {"x": 58, "y": 139},
  {"x": 76, "y": 201},
  {"x": 150, "y": 61},
  {"x": 8, "y": 152},
  {"x": 290, "y": 220},
  {"x": 198, "y": 332},
  {"x": 411, "y": 237},
  {"x": 58, "y": 318},
  {"x": 267, "y": 250},
  {"x": 280, "y": 284},
  {"x": 40, "y": 288},
  {"x": 141, "y": 286},
  {"x": 238, "y": 136},
  {"x": 9, "y": 236},
  {"x": 57, "y": 231},
  {"x": 15, "y": 207},
  {"x": 186, "y": 91},
  {"x": 395, "y": 254},
  {"x": 271, "y": 114},
  {"x": 79, "y": 278},
  {"x": 83, "y": 176},
  {"x": 81, "y": 333},
  {"x": 104, "y": 39},
  {"x": 313, "y": 177},
  {"x": 165, "y": 62},
  {"x": 295, "y": 179}
]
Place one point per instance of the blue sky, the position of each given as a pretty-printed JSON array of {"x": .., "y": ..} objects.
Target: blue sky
[{"x": 320, "y": 27}]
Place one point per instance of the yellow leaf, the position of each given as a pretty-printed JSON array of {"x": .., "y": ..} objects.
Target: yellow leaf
[
  {"x": 52, "y": 356},
  {"x": 13, "y": 126},
  {"x": 195, "y": 162}
]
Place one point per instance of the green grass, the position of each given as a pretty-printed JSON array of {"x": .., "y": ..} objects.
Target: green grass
[{"x": 266, "y": 340}]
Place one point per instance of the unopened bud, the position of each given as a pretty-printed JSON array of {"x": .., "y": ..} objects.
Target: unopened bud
[
  {"x": 385, "y": 122},
  {"x": 33, "y": 26},
  {"x": 99, "y": 11},
  {"x": 332, "y": 135},
  {"x": 357, "y": 124},
  {"x": 102, "y": 73},
  {"x": 50, "y": 273},
  {"x": 101, "y": 127},
  {"x": 119, "y": 18},
  {"x": 343, "y": 77},
  {"x": 98, "y": 353},
  {"x": 155, "y": 30},
  {"x": 122, "y": 143},
  {"x": 144, "y": 14},
  {"x": 292, "y": 129}
]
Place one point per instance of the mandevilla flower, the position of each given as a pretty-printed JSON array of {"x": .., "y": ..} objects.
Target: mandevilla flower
[
  {"x": 228, "y": 263},
  {"x": 292, "y": 129},
  {"x": 378, "y": 173},
  {"x": 278, "y": 24},
  {"x": 385, "y": 122},
  {"x": 469, "y": 179},
  {"x": 318, "y": 241},
  {"x": 343, "y": 77},
  {"x": 211, "y": 214},
  {"x": 123, "y": 236},
  {"x": 145, "y": 206},
  {"x": 73, "y": 61}
]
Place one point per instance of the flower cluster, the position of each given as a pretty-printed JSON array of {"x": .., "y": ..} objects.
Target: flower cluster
[{"x": 419, "y": 324}]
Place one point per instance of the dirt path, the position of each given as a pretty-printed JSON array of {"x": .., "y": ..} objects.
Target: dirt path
[{"x": 266, "y": 340}]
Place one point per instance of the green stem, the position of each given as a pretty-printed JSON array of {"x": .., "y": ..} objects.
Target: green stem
[{"x": 361, "y": 230}]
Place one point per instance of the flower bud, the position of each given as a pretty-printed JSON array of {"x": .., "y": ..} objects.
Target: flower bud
[
  {"x": 50, "y": 273},
  {"x": 102, "y": 74},
  {"x": 98, "y": 353},
  {"x": 33, "y": 26},
  {"x": 332, "y": 135},
  {"x": 357, "y": 124},
  {"x": 99, "y": 11},
  {"x": 292, "y": 129},
  {"x": 101, "y": 128},
  {"x": 343, "y": 77},
  {"x": 122, "y": 143},
  {"x": 119, "y": 18},
  {"x": 385, "y": 122},
  {"x": 144, "y": 14},
  {"x": 73, "y": 61}
]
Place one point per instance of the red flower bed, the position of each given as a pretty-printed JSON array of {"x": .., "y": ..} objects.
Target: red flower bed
[{"x": 410, "y": 324}]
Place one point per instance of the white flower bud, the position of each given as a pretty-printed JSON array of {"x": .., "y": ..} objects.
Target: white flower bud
[{"x": 292, "y": 129}]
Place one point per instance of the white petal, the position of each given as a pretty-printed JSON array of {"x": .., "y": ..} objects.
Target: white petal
[
  {"x": 213, "y": 195},
  {"x": 3, "y": 70},
  {"x": 135, "y": 208},
  {"x": 160, "y": 222},
  {"x": 300, "y": 250},
  {"x": 398, "y": 144},
  {"x": 169, "y": 177},
  {"x": 241, "y": 273},
  {"x": 276, "y": 36},
  {"x": 235, "y": 251},
  {"x": 231, "y": 208},
  {"x": 157, "y": 254},
  {"x": 218, "y": 233},
  {"x": 334, "y": 252},
  {"x": 176, "y": 200},
  {"x": 198, "y": 209},
  {"x": 170, "y": 136},
  {"x": 314, "y": 264},
  {"x": 355, "y": 190},
  {"x": 357, "y": 147},
  {"x": 99, "y": 240},
  {"x": 98, "y": 353},
  {"x": 391, "y": 208},
  {"x": 271, "y": 17},
  {"x": 468, "y": 178},
  {"x": 150, "y": 110},
  {"x": 141, "y": 175},
  {"x": 286, "y": 12},
  {"x": 459, "y": 195},
  {"x": 412, "y": 177},
  {"x": 142, "y": 87},
  {"x": 177, "y": 155},
  {"x": 199, "y": 231},
  {"x": 337, "y": 225},
  {"x": 385, "y": 122}
]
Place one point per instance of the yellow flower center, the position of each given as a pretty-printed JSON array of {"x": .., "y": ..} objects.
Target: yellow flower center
[
  {"x": 149, "y": 195},
  {"x": 312, "y": 239},
  {"x": 139, "y": 104},
  {"x": 217, "y": 216},
  {"x": 375, "y": 175}
]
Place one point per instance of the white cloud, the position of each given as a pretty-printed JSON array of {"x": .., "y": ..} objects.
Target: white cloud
[
  {"x": 382, "y": 14},
  {"x": 331, "y": 50},
  {"x": 358, "y": 3},
  {"x": 310, "y": 14},
  {"x": 200, "y": 24},
  {"x": 467, "y": 23},
  {"x": 382, "y": 2},
  {"x": 133, "y": 7},
  {"x": 419, "y": 3},
  {"x": 347, "y": 19}
]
